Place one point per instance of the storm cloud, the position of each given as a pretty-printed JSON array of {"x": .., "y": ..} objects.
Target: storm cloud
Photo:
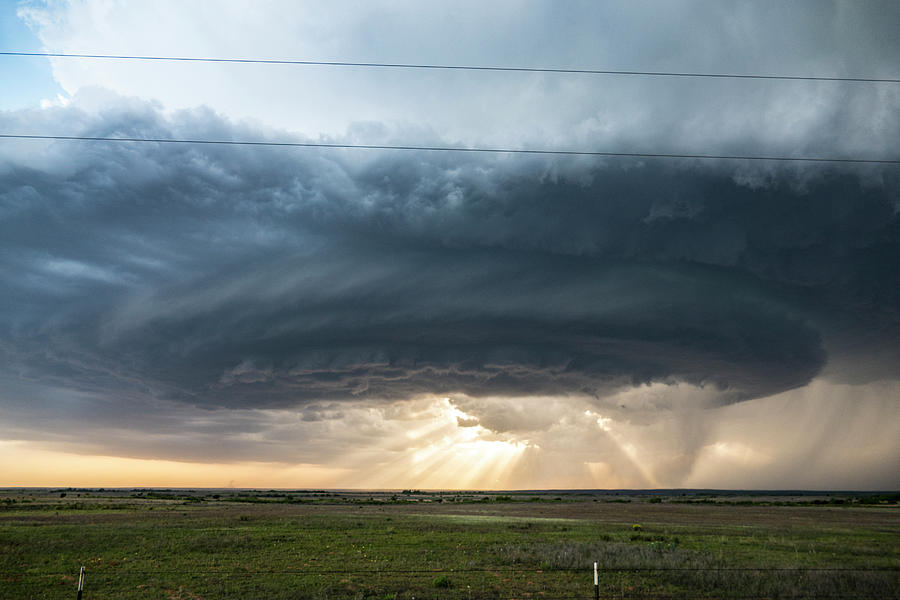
[
  {"x": 226, "y": 303},
  {"x": 266, "y": 277}
]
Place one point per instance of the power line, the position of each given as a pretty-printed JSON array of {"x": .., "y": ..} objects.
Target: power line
[
  {"x": 454, "y": 149},
  {"x": 321, "y": 63}
]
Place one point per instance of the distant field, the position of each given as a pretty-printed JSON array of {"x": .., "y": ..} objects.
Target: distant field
[{"x": 214, "y": 544}]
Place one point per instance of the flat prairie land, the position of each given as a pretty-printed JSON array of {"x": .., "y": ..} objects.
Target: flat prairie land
[{"x": 216, "y": 544}]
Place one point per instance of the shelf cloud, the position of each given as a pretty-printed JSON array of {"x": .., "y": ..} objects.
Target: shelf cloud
[{"x": 265, "y": 277}]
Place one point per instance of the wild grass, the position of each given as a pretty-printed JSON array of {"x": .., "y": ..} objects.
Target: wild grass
[
  {"x": 664, "y": 568},
  {"x": 171, "y": 548}
]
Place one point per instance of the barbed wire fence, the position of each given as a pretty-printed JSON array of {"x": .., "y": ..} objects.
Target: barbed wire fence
[{"x": 501, "y": 583}]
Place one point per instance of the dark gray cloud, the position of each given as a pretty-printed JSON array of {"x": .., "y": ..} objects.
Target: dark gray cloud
[
  {"x": 261, "y": 277},
  {"x": 601, "y": 320}
]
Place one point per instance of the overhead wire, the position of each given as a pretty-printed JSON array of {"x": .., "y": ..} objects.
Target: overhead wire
[
  {"x": 322, "y": 63},
  {"x": 532, "y": 151}
]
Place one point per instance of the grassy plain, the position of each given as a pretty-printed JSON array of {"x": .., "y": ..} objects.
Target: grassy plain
[{"x": 207, "y": 544}]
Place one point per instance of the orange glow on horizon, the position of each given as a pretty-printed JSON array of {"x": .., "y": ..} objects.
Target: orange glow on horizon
[
  {"x": 26, "y": 465},
  {"x": 432, "y": 443}
]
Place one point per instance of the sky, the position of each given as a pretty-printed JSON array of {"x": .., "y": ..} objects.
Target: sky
[{"x": 227, "y": 316}]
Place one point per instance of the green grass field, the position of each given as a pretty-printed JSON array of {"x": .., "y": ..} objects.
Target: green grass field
[{"x": 226, "y": 544}]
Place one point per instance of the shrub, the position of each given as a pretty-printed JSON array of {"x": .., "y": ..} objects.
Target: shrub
[{"x": 442, "y": 581}]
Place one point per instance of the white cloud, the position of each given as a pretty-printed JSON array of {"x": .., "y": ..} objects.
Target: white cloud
[{"x": 500, "y": 109}]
